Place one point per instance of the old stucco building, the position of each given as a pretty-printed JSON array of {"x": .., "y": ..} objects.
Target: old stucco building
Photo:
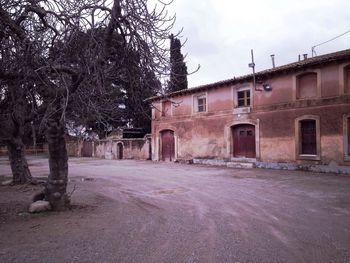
[{"x": 297, "y": 114}]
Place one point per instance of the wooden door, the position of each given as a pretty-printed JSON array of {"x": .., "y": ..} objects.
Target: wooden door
[
  {"x": 168, "y": 145},
  {"x": 244, "y": 141},
  {"x": 119, "y": 151},
  {"x": 87, "y": 149}
]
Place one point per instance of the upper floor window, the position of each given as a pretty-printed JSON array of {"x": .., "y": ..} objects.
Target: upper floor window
[
  {"x": 347, "y": 79},
  {"x": 200, "y": 103},
  {"x": 307, "y": 85},
  {"x": 243, "y": 98}
]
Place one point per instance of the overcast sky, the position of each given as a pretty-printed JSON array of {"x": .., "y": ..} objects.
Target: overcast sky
[{"x": 221, "y": 33}]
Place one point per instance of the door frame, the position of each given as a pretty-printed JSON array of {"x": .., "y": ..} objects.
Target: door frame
[
  {"x": 160, "y": 157},
  {"x": 159, "y": 144},
  {"x": 229, "y": 139}
]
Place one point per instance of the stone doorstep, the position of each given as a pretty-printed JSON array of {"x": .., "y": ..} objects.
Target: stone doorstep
[
  {"x": 216, "y": 162},
  {"x": 240, "y": 165},
  {"x": 242, "y": 160}
]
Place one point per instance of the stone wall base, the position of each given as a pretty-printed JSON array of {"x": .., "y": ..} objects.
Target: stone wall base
[
  {"x": 304, "y": 167},
  {"x": 276, "y": 166}
]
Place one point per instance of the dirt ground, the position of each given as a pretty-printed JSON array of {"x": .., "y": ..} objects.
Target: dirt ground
[{"x": 138, "y": 211}]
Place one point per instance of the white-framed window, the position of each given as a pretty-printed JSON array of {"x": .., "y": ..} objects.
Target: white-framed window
[
  {"x": 200, "y": 103},
  {"x": 243, "y": 98}
]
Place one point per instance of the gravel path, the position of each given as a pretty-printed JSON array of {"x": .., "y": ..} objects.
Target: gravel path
[{"x": 135, "y": 211}]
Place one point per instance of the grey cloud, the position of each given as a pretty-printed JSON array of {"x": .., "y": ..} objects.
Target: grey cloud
[{"x": 221, "y": 33}]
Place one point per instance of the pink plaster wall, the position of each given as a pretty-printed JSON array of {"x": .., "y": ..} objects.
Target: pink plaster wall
[
  {"x": 166, "y": 108},
  {"x": 330, "y": 81},
  {"x": 281, "y": 91},
  {"x": 220, "y": 99},
  {"x": 204, "y": 135},
  {"x": 182, "y": 106},
  {"x": 157, "y": 107}
]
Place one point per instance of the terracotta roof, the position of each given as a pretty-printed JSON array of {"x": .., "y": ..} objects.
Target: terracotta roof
[{"x": 306, "y": 63}]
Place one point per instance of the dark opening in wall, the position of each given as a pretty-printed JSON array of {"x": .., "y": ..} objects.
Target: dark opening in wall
[
  {"x": 348, "y": 123},
  {"x": 347, "y": 80},
  {"x": 308, "y": 137}
]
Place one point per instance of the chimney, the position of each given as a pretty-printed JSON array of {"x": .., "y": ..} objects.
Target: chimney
[
  {"x": 299, "y": 57},
  {"x": 305, "y": 56},
  {"x": 273, "y": 60}
]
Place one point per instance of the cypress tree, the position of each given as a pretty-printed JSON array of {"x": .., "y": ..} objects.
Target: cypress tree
[{"x": 178, "y": 68}]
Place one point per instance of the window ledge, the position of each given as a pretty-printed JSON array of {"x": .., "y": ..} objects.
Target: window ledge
[
  {"x": 307, "y": 98},
  {"x": 241, "y": 110},
  {"x": 199, "y": 112},
  {"x": 308, "y": 157}
]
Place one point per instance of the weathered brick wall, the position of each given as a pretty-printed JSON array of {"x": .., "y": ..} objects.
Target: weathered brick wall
[{"x": 138, "y": 149}]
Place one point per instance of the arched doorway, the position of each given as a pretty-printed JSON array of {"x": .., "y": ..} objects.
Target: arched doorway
[
  {"x": 119, "y": 151},
  {"x": 243, "y": 141},
  {"x": 167, "y": 145}
]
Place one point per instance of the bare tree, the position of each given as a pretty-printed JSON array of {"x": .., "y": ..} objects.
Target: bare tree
[
  {"x": 71, "y": 58},
  {"x": 13, "y": 120}
]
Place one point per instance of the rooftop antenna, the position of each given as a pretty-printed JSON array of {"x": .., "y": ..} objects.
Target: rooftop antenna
[{"x": 252, "y": 65}]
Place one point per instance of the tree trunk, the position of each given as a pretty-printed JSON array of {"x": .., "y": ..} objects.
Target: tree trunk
[
  {"x": 19, "y": 166},
  {"x": 56, "y": 187}
]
